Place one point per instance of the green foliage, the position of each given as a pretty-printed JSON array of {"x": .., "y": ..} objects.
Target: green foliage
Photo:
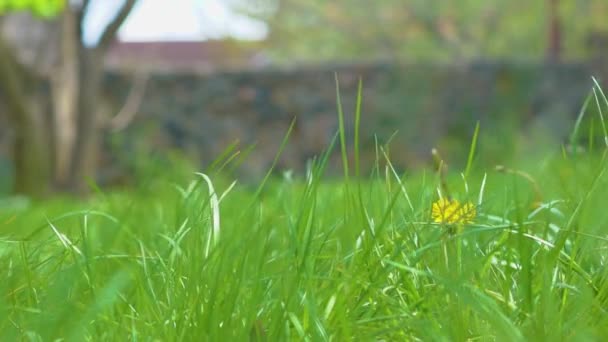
[
  {"x": 410, "y": 30},
  {"x": 42, "y": 8}
]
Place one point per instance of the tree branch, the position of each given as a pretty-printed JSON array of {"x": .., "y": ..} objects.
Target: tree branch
[
  {"x": 110, "y": 32},
  {"x": 80, "y": 14},
  {"x": 132, "y": 104},
  {"x": 85, "y": 5}
]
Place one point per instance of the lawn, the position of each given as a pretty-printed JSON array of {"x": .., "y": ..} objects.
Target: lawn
[{"x": 483, "y": 253}]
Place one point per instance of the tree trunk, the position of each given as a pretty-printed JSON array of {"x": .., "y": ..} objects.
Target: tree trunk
[
  {"x": 88, "y": 136},
  {"x": 30, "y": 147},
  {"x": 64, "y": 84},
  {"x": 75, "y": 77}
]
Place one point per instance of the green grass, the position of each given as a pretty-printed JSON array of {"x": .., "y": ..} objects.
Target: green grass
[{"x": 315, "y": 258}]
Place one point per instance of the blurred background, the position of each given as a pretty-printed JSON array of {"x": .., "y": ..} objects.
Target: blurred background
[{"x": 103, "y": 91}]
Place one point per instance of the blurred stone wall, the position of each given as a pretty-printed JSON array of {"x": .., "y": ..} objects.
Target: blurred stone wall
[
  {"x": 416, "y": 107},
  {"x": 426, "y": 106}
]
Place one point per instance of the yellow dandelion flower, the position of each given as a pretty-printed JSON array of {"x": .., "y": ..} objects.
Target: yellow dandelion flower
[{"x": 452, "y": 211}]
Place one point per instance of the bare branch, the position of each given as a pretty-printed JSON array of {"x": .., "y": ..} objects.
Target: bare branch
[
  {"x": 80, "y": 14},
  {"x": 110, "y": 32},
  {"x": 132, "y": 104},
  {"x": 85, "y": 5}
]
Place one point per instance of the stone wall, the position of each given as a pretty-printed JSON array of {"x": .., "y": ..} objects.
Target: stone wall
[{"x": 425, "y": 105}]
